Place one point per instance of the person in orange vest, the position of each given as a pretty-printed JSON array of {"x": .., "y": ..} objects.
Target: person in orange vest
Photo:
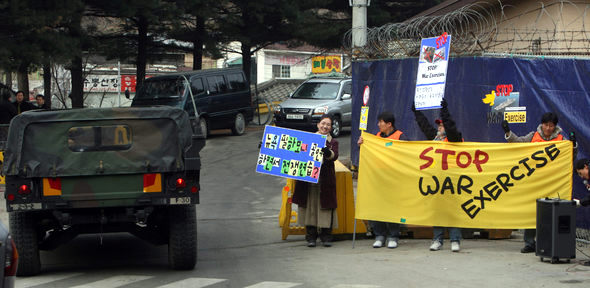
[
  {"x": 383, "y": 230},
  {"x": 446, "y": 131},
  {"x": 546, "y": 131}
]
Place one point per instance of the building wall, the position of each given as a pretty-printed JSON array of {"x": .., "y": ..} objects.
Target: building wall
[
  {"x": 559, "y": 25},
  {"x": 299, "y": 64}
]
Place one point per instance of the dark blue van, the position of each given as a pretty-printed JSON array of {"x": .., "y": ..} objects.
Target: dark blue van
[{"x": 213, "y": 98}]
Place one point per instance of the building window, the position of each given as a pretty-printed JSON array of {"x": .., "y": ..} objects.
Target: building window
[{"x": 281, "y": 71}]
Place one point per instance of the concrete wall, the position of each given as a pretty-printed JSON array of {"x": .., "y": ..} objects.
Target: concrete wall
[{"x": 559, "y": 25}]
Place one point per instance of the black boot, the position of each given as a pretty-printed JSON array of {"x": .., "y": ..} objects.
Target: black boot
[
  {"x": 326, "y": 236},
  {"x": 311, "y": 235}
]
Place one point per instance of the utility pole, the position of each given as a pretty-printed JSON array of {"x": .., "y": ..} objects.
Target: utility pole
[{"x": 359, "y": 22}]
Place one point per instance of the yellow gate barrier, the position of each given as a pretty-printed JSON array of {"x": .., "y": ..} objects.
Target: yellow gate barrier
[{"x": 345, "y": 210}]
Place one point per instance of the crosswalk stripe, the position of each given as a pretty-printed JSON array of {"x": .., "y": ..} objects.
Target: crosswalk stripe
[
  {"x": 270, "y": 284},
  {"x": 193, "y": 283},
  {"x": 355, "y": 286},
  {"x": 115, "y": 281},
  {"x": 22, "y": 282}
]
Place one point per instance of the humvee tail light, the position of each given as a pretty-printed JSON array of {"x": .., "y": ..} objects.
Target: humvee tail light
[
  {"x": 10, "y": 197},
  {"x": 24, "y": 189},
  {"x": 180, "y": 183},
  {"x": 51, "y": 186},
  {"x": 152, "y": 183},
  {"x": 194, "y": 189}
]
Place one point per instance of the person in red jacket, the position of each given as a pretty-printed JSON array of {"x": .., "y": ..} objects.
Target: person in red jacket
[
  {"x": 546, "y": 131},
  {"x": 317, "y": 202},
  {"x": 383, "y": 230}
]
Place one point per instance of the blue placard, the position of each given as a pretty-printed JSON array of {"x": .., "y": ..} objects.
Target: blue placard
[{"x": 291, "y": 153}]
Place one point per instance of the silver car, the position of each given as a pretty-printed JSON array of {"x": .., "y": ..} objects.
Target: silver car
[{"x": 314, "y": 98}]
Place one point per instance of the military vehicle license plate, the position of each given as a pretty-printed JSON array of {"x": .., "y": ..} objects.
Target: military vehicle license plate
[
  {"x": 180, "y": 200},
  {"x": 26, "y": 206}
]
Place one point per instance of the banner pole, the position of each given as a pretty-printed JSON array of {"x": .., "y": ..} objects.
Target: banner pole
[{"x": 354, "y": 233}]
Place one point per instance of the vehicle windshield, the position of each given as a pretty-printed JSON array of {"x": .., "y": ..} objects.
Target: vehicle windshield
[
  {"x": 317, "y": 91},
  {"x": 162, "y": 88}
]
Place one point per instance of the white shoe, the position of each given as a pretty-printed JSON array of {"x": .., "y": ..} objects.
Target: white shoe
[
  {"x": 455, "y": 246},
  {"x": 435, "y": 246},
  {"x": 378, "y": 242},
  {"x": 391, "y": 243}
]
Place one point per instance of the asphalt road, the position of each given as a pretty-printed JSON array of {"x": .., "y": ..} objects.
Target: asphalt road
[{"x": 240, "y": 245}]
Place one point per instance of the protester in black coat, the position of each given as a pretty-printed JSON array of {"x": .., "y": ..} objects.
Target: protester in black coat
[
  {"x": 7, "y": 110},
  {"x": 21, "y": 104},
  {"x": 583, "y": 171}
]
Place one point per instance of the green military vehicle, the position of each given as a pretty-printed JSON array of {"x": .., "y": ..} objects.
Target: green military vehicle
[{"x": 79, "y": 171}]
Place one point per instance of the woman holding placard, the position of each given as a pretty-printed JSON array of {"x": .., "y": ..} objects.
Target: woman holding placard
[{"x": 317, "y": 202}]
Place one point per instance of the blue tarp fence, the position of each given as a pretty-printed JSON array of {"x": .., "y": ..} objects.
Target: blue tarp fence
[{"x": 543, "y": 85}]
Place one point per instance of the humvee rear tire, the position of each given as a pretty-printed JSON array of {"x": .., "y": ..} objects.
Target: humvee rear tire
[
  {"x": 182, "y": 241},
  {"x": 239, "y": 126},
  {"x": 24, "y": 233}
]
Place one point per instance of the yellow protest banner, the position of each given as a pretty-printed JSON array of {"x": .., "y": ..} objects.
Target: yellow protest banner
[{"x": 469, "y": 184}]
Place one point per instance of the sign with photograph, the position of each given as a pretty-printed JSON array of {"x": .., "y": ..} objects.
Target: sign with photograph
[{"x": 432, "y": 72}]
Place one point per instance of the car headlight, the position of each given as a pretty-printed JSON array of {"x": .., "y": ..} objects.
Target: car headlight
[
  {"x": 320, "y": 110},
  {"x": 277, "y": 109}
]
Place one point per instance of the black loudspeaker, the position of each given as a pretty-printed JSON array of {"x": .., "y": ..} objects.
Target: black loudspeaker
[{"x": 556, "y": 229}]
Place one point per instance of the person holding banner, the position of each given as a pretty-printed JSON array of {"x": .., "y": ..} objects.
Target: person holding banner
[
  {"x": 317, "y": 202},
  {"x": 382, "y": 230},
  {"x": 446, "y": 131},
  {"x": 583, "y": 171},
  {"x": 546, "y": 131}
]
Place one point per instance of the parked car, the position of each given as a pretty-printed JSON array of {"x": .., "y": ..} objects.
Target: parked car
[
  {"x": 79, "y": 171},
  {"x": 213, "y": 98},
  {"x": 8, "y": 256},
  {"x": 312, "y": 99}
]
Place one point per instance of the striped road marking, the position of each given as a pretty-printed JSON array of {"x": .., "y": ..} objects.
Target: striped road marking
[
  {"x": 122, "y": 280},
  {"x": 355, "y": 286},
  {"x": 115, "y": 281},
  {"x": 193, "y": 283},
  {"x": 24, "y": 282},
  {"x": 270, "y": 284}
]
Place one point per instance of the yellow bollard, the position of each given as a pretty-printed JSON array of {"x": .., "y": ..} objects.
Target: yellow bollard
[{"x": 345, "y": 210}]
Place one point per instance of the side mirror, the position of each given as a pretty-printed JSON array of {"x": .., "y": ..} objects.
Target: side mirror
[
  {"x": 127, "y": 95},
  {"x": 346, "y": 96}
]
